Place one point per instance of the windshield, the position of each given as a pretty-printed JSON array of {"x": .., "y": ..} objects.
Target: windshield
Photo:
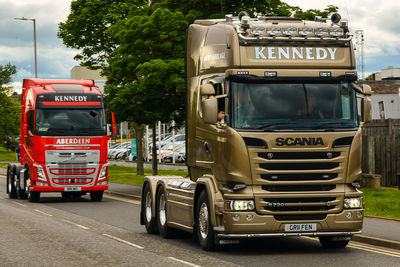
[
  {"x": 293, "y": 106},
  {"x": 70, "y": 122}
]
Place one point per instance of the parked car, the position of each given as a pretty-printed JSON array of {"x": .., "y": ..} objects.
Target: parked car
[
  {"x": 179, "y": 153},
  {"x": 118, "y": 149}
]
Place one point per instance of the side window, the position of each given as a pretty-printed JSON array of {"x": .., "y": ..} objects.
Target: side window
[{"x": 30, "y": 120}]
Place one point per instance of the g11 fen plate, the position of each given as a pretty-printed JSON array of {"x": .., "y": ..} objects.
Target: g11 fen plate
[{"x": 301, "y": 227}]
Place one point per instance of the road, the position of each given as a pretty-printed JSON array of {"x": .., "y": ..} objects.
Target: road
[{"x": 58, "y": 232}]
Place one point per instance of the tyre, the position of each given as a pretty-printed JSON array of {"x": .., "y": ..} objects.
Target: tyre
[
  {"x": 205, "y": 232},
  {"x": 96, "y": 195},
  {"x": 161, "y": 213},
  {"x": 21, "y": 193},
  {"x": 147, "y": 210},
  {"x": 11, "y": 190},
  {"x": 334, "y": 241},
  {"x": 34, "y": 196}
]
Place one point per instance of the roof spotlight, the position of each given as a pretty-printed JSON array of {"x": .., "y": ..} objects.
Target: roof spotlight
[{"x": 335, "y": 18}]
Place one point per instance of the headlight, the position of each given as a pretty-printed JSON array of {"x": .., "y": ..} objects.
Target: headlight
[
  {"x": 337, "y": 32},
  {"x": 257, "y": 30},
  {"x": 103, "y": 173},
  {"x": 353, "y": 203},
  {"x": 274, "y": 31},
  {"x": 40, "y": 173},
  {"x": 239, "y": 205},
  {"x": 289, "y": 31},
  {"x": 305, "y": 31},
  {"x": 322, "y": 32}
]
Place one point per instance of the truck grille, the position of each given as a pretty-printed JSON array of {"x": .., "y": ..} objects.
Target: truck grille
[
  {"x": 72, "y": 167},
  {"x": 300, "y": 166},
  {"x": 70, "y": 181},
  {"x": 296, "y": 184}
]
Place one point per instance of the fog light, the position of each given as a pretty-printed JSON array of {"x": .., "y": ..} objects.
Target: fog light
[
  {"x": 249, "y": 217},
  {"x": 40, "y": 184},
  {"x": 359, "y": 214},
  {"x": 236, "y": 217},
  {"x": 349, "y": 215},
  {"x": 103, "y": 183}
]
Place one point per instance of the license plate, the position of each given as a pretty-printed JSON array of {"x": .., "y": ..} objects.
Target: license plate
[
  {"x": 72, "y": 189},
  {"x": 301, "y": 227}
]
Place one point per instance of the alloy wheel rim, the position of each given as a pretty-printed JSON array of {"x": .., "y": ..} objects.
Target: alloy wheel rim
[
  {"x": 148, "y": 207},
  {"x": 203, "y": 220},
  {"x": 162, "y": 212}
]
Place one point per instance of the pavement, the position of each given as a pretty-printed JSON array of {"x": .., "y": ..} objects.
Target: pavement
[{"x": 376, "y": 230}]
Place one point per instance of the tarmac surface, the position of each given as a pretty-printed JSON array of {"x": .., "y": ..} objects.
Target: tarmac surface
[{"x": 376, "y": 230}]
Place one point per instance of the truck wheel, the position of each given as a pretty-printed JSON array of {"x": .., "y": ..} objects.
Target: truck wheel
[
  {"x": 147, "y": 205},
  {"x": 11, "y": 190},
  {"x": 334, "y": 241},
  {"x": 33, "y": 196},
  {"x": 20, "y": 181},
  {"x": 161, "y": 211},
  {"x": 205, "y": 231},
  {"x": 96, "y": 195}
]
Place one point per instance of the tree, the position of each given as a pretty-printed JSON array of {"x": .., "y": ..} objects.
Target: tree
[
  {"x": 86, "y": 26},
  {"x": 9, "y": 107},
  {"x": 148, "y": 67}
]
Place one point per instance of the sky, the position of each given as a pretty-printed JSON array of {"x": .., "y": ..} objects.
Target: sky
[{"x": 378, "y": 19}]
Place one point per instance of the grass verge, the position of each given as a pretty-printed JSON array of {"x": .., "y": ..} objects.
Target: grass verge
[
  {"x": 127, "y": 175},
  {"x": 382, "y": 202},
  {"x": 6, "y": 155}
]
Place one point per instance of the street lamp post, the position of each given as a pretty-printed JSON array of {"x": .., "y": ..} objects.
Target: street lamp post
[{"x": 34, "y": 40}]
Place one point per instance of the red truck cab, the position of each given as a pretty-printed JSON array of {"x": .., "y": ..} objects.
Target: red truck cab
[{"x": 64, "y": 141}]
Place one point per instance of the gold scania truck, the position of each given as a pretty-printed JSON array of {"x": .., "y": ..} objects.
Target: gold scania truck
[{"x": 273, "y": 134}]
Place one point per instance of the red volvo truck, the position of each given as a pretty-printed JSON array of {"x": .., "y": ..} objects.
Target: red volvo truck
[{"x": 64, "y": 137}]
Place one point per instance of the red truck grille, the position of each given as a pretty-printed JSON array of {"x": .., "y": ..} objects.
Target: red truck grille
[
  {"x": 75, "y": 181},
  {"x": 72, "y": 171}
]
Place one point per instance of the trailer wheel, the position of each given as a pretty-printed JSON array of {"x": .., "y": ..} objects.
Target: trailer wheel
[
  {"x": 334, "y": 241},
  {"x": 205, "y": 231},
  {"x": 96, "y": 195},
  {"x": 147, "y": 210},
  {"x": 11, "y": 190},
  {"x": 33, "y": 196},
  {"x": 161, "y": 211}
]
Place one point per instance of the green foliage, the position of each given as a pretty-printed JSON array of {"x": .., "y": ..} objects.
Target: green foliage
[
  {"x": 148, "y": 67},
  {"x": 6, "y": 156},
  {"x": 9, "y": 107},
  {"x": 383, "y": 202},
  {"x": 86, "y": 28}
]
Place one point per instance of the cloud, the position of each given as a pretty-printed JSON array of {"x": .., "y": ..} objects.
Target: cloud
[{"x": 16, "y": 38}]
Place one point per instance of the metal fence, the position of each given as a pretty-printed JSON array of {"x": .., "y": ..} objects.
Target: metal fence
[{"x": 381, "y": 150}]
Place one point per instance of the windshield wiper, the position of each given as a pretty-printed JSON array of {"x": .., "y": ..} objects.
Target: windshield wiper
[
  {"x": 332, "y": 125},
  {"x": 266, "y": 126}
]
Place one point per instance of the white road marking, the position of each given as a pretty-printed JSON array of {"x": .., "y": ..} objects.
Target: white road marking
[
  {"x": 78, "y": 225},
  {"x": 184, "y": 262},
  {"x": 44, "y": 213},
  {"x": 19, "y": 204},
  {"x": 123, "y": 241}
]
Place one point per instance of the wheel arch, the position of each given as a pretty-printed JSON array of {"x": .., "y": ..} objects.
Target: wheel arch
[{"x": 205, "y": 183}]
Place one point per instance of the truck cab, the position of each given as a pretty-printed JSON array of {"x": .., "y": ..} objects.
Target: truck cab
[
  {"x": 286, "y": 158},
  {"x": 64, "y": 139}
]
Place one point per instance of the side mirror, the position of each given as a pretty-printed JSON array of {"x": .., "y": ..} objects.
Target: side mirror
[
  {"x": 110, "y": 123},
  {"x": 367, "y": 89},
  {"x": 207, "y": 89},
  {"x": 210, "y": 110},
  {"x": 366, "y": 109}
]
